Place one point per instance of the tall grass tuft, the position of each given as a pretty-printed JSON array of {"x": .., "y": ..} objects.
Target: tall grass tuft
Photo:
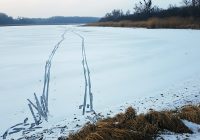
[
  {"x": 167, "y": 120},
  {"x": 130, "y": 126},
  {"x": 191, "y": 113}
]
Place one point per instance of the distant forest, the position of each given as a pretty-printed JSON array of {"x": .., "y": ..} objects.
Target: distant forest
[
  {"x": 7, "y": 20},
  {"x": 145, "y": 10}
]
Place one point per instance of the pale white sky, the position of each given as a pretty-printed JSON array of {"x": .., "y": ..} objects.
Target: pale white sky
[{"x": 47, "y": 8}]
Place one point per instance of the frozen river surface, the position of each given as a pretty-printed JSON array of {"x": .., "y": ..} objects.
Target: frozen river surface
[{"x": 125, "y": 64}]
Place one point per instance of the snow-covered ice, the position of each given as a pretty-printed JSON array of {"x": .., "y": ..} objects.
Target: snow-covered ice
[{"x": 146, "y": 68}]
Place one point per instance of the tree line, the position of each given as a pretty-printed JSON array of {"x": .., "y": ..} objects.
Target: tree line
[
  {"x": 7, "y": 20},
  {"x": 145, "y": 9}
]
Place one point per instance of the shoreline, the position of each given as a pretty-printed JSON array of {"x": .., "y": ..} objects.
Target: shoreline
[
  {"x": 153, "y": 23},
  {"x": 10, "y": 25}
]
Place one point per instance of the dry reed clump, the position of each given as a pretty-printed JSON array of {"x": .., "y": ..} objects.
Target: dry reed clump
[
  {"x": 120, "y": 118},
  {"x": 116, "y": 128},
  {"x": 89, "y": 128},
  {"x": 116, "y": 134},
  {"x": 140, "y": 124},
  {"x": 191, "y": 113},
  {"x": 167, "y": 120},
  {"x": 130, "y": 113},
  {"x": 130, "y": 126}
]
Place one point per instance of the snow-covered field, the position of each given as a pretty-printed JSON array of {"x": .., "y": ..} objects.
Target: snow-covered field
[{"x": 158, "y": 69}]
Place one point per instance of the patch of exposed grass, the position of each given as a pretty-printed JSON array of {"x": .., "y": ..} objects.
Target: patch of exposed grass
[
  {"x": 130, "y": 126},
  {"x": 83, "y": 133},
  {"x": 191, "y": 113},
  {"x": 167, "y": 120},
  {"x": 171, "y": 22}
]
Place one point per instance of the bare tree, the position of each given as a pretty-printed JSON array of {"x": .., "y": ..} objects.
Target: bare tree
[
  {"x": 186, "y": 2},
  {"x": 128, "y": 13},
  {"x": 198, "y": 3},
  {"x": 193, "y": 3},
  {"x": 144, "y": 6},
  {"x": 138, "y": 7},
  {"x": 148, "y": 5}
]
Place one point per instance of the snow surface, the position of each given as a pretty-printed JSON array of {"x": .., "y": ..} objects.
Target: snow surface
[{"x": 158, "y": 69}]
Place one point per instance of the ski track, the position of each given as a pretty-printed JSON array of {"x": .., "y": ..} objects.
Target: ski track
[
  {"x": 87, "y": 78},
  {"x": 42, "y": 106}
]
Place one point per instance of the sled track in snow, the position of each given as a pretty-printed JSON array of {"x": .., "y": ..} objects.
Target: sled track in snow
[
  {"x": 87, "y": 78},
  {"x": 41, "y": 105},
  {"x": 39, "y": 108}
]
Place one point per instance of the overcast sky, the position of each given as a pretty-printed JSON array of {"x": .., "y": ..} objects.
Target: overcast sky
[{"x": 47, "y": 8}]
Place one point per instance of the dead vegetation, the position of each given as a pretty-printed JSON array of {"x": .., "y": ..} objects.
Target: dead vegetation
[
  {"x": 171, "y": 22},
  {"x": 166, "y": 120},
  {"x": 191, "y": 113},
  {"x": 130, "y": 126}
]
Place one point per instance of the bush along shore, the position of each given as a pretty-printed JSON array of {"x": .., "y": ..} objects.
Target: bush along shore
[
  {"x": 130, "y": 126},
  {"x": 147, "y": 15}
]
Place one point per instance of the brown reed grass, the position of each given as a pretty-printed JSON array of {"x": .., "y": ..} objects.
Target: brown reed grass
[
  {"x": 170, "y": 22},
  {"x": 191, "y": 113},
  {"x": 130, "y": 126}
]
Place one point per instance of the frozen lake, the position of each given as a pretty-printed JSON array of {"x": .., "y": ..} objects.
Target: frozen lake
[{"x": 125, "y": 64}]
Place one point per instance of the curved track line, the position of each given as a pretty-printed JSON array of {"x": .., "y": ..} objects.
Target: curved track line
[
  {"x": 41, "y": 104},
  {"x": 88, "y": 86}
]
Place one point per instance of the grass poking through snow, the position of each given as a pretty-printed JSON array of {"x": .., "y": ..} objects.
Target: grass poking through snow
[
  {"x": 130, "y": 126},
  {"x": 190, "y": 113}
]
